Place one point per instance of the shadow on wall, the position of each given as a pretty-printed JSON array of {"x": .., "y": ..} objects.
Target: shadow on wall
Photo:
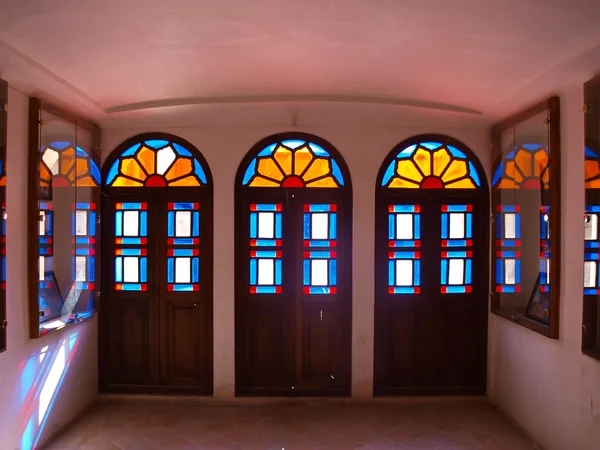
[{"x": 40, "y": 382}]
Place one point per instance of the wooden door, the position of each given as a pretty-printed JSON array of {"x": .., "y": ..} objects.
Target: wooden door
[
  {"x": 293, "y": 327},
  {"x": 431, "y": 295}
]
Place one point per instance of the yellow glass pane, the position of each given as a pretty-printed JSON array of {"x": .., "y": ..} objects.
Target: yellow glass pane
[
  {"x": 86, "y": 181},
  {"x": 181, "y": 167},
  {"x": 263, "y": 182},
  {"x": 318, "y": 168},
  {"x": 82, "y": 167},
  {"x": 268, "y": 168},
  {"x": 592, "y": 169},
  {"x": 131, "y": 168},
  {"x": 146, "y": 158},
  {"x": 302, "y": 157},
  {"x": 44, "y": 173},
  {"x": 541, "y": 161},
  {"x": 465, "y": 183},
  {"x": 125, "y": 182},
  {"x": 284, "y": 158},
  {"x": 323, "y": 182},
  {"x": 400, "y": 183},
  {"x": 441, "y": 159},
  {"x": 187, "y": 181},
  {"x": 422, "y": 158},
  {"x": 523, "y": 161},
  {"x": 67, "y": 160},
  {"x": 512, "y": 171},
  {"x": 457, "y": 169},
  {"x": 407, "y": 169},
  {"x": 508, "y": 184}
]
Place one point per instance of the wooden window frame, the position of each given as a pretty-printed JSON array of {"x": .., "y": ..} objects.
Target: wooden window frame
[{"x": 3, "y": 132}]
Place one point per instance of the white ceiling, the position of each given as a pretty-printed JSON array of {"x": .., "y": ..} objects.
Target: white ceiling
[{"x": 478, "y": 56}]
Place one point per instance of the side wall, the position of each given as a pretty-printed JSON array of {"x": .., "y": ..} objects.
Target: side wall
[{"x": 45, "y": 383}]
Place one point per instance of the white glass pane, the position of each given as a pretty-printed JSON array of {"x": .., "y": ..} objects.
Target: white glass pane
[
  {"x": 183, "y": 223},
  {"x": 164, "y": 158},
  {"x": 589, "y": 274},
  {"x": 42, "y": 267},
  {"x": 50, "y": 157},
  {"x": 80, "y": 266},
  {"x": 548, "y": 270},
  {"x": 130, "y": 223},
  {"x": 457, "y": 226},
  {"x": 266, "y": 271},
  {"x": 182, "y": 270},
  {"x": 318, "y": 272},
  {"x": 42, "y": 223},
  {"x": 130, "y": 269},
  {"x": 404, "y": 272},
  {"x": 266, "y": 221},
  {"x": 456, "y": 271},
  {"x": 509, "y": 271},
  {"x": 320, "y": 226},
  {"x": 591, "y": 227},
  {"x": 81, "y": 223},
  {"x": 404, "y": 226},
  {"x": 510, "y": 231}
]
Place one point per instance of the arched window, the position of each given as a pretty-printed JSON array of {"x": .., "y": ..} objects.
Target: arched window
[
  {"x": 157, "y": 265},
  {"x": 591, "y": 279},
  {"x": 293, "y": 268},
  {"x": 431, "y": 277}
]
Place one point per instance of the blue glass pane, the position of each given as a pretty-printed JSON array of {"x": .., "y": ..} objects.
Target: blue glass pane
[
  {"x": 199, "y": 171},
  {"x": 455, "y": 254},
  {"x": 337, "y": 173},
  {"x": 497, "y": 174},
  {"x": 118, "y": 269},
  {"x": 132, "y": 287},
  {"x": 266, "y": 254},
  {"x": 404, "y": 290},
  {"x": 319, "y": 208},
  {"x": 266, "y": 207},
  {"x": 319, "y": 290},
  {"x": 510, "y": 155},
  {"x": 332, "y": 226},
  {"x": 60, "y": 144},
  {"x": 518, "y": 271},
  {"x": 195, "y": 269},
  {"x": 278, "y": 226},
  {"x": 293, "y": 144},
  {"x": 266, "y": 243},
  {"x": 183, "y": 206},
  {"x": 417, "y": 231},
  {"x": 306, "y": 226},
  {"x": 456, "y": 152},
  {"x": 455, "y": 290},
  {"x": 389, "y": 173},
  {"x": 593, "y": 208},
  {"x": 183, "y": 252},
  {"x": 458, "y": 243},
  {"x": 143, "y": 223},
  {"x": 143, "y": 270},
  {"x": 518, "y": 226},
  {"x": 130, "y": 205},
  {"x": 391, "y": 226},
  {"x": 250, "y": 171},
  {"x": 131, "y": 252},
  {"x": 95, "y": 171},
  {"x": 81, "y": 152},
  {"x": 391, "y": 273},
  {"x": 113, "y": 172},
  {"x": 532, "y": 146},
  {"x": 469, "y": 225},
  {"x": 457, "y": 208},
  {"x": 509, "y": 289},
  {"x": 431, "y": 145},
  {"x": 253, "y": 272},
  {"x": 403, "y": 255},
  {"x": 278, "y": 272},
  {"x": 318, "y": 254},
  {"x": 170, "y": 270},
  {"x": 196, "y": 229},
  {"x": 306, "y": 272},
  {"x": 317, "y": 149},
  {"x": 253, "y": 219},
  {"x": 593, "y": 291},
  {"x": 157, "y": 143},
  {"x": 92, "y": 224},
  {"x": 333, "y": 272},
  {"x": 183, "y": 287},
  {"x": 589, "y": 153},
  {"x": 313, "y": 243},
  {"x": 444, "y": 226},
  {"x": 267, "y": 151},
  {"x": 407, "y": 152},
  {"x": 499, "y": 271},
  {"x": 181, "y": 150},
  {"x": 417, "y": 272},
  {"x": 444, "y": 272},
  {"x": 474, "y": 174},
  {"x": 468, "y": 271},
  {"x": 265, "y": 290},
  {"x": 592, "y": 245},
  {"x": 91, "y": 269},
  {"x": 131, "y": 150}
]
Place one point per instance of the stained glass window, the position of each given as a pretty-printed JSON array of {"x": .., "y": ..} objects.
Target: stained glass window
[
  {"x": 265, "y": 248},
  {"x": 183, "y": 262},
  {"x": 457, "y": 238},
  {"x": 524, "y": 167},
  {"x": 508, "y": 248},
  {"x": 320, "y": 256},
  {"x": 431, "y": 165},
  {"x": 404, "y": 232},
  {"x": 131, "y": 261},
  {"x": 156, "y": 163},
  {"x": 83, "y": 230},
  {"x": 293, "y": 164},
  {"x": 64, "y": 164}
]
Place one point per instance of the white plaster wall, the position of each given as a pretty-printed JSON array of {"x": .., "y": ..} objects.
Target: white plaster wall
[
  {"x": 364, "y": 148},
  {"x": 31, "y": 369},
  {"x": 548, "y": 387}
]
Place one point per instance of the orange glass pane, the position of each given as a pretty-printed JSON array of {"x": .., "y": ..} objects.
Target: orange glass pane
[
  {"x": 3, "y": 181},
  {"x": 593, "y": 184},
  {"x": 400, "y": 183},
  {"x": 511, "y": 171},
  {"x": 147, "y": 157},
  {"x": 131, "y": 168},
  {"x": 441, "y": 159},
  {"x": 465, "y": 183},
  {"x": 67, "y": 161},
  {"x": 181, "y": 167},
  {"x": 457, "y": 169},
  {"x": 44, "y": 183},
  {"x": 546, "y": 177},
  {"x": 422, "y": 158},
  {"x": 44, "y": 173},
  {"x": 507, "y": 184},
  {"x": 86, "y": 181},
  {"x": 268, "y": 168},
  {"x": 592, "y": 169},
  {"x": 407, "y": 169},
  {"x": 318, "y": 168},
  {"x": 323, "y": 182},
  {"x": 263, "y": 182},
  {"x": 302, "y": 157},
  {"x": 82, "y": 167},
  {"x": 541, "y": 161},
  {"x": 187, "y": 181},
  {"x": 284, "y": 158},
  {"x": 125, "y": 182},
  {"x": 523, "y": 161}
]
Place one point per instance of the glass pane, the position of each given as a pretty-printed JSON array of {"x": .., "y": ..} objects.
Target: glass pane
[
  {"x": 509, "y": 226},
  {"x": 42, "y": 230},
  {"x": 164, "y": 159},
  {"x": 320, "y": 226},
  {"x": 130, "y": 223},
  {"x": 80, "y": 268},
  {"x": 81, "y": 226},
  {"x": 404, "y": 272},
  {"x": 404, "y": 226},
  {"x": 266, "y": 221},
  {"x": 318, "y": 272},
  {"x": 265, "y": 271},
  {"x": 42, "y": 267},
  {"x": 589, "y": 274},
  {"x": 457, "y": 226},
  {"x": 456, "y": 269},
  {"x": 130, "y": 270},
  {"x": 591, "y": 227},
  {"x": 183, "y": 223},
  {"x": 182, "y": 270},
  {"x": 509, "y": 271}
]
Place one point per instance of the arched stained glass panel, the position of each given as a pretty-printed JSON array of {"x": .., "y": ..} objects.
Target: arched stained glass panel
[
  {"x": 592, "y": 169},
  {"x": 64, "y": 164},
  {"x": 431, "y": 165},
  {"x": 524, "y": 167},
  {"x": 293, "y": 164},
  {"x": 156, "y": 163}
]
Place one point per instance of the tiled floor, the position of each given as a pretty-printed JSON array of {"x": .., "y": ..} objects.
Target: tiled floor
[{"x": 443, "y": 424}]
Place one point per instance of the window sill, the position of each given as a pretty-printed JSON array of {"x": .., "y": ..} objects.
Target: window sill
[{"x": 525, "y": 322}]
